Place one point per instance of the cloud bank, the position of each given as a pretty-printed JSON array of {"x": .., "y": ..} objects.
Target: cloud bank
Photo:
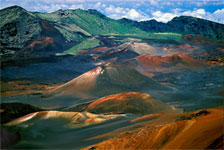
[
  {"x": 217, "y": 16},
  {"x": 162, "y": 11}
]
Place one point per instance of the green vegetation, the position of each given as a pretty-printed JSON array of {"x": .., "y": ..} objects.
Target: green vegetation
[
  {"x": 92, "y": 22},
  {"x": 18, "y": 26},
  {"x": 70, "y": 35},
  {"x": 167, "y": 33},
  {"x": 128, "y": 40},
  {"x": 165, "y": 36},
  {"x": 72, "y": 32},
  {"x": 89, "y": 43}
]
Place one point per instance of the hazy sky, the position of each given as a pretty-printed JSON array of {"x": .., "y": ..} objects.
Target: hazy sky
[{"x": 161, "y": 10}]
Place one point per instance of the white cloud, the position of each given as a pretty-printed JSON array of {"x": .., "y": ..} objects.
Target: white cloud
[
  {"x": 51, "y": 8},
  {"x": 153, "y": 2},
  {"x": 120, "y": 12},
  {"x": 103, "y": 5},
  {"x": 176, "y": 10},
  {"x": 117, "y": 9},
  {"x": 97, "y": 4},
  {"x": 219, "y": 13},
  {"x": 163, "y": 17},
  {"x": 133, "y": 14},
  {"x": 60, "y": 1},
  {"x": 217, "y": 16},
  {"x": 196, "y": 13},
  {"x": 76, "y": 6},
  {"x": 201, "y": 11}
]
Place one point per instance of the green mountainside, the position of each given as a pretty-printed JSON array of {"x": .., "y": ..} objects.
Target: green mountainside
[
  {"x": 70, "y": 30},
  {"x": 25, "y": 32},
  {"x": 17, "y": 27},
  {"x": 91, "y": 21},
  {"x": 182, "y": 25}
]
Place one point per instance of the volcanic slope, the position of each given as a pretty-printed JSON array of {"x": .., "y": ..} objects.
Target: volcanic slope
[
  {"x": 172, "y": 63},
  {"x": 131, "y": 102},
  {"x": 24, "y": 35},
  {"x": 17, "y": 22},
  {"x": 70, "y": 119},
  {"x": 139, "y": 48},
  {"x": 106, "y": 80},
  {"x": 199, "y": 130},
  {"x": 126, "y": 50},
  {"x": 32, "y": 32}
]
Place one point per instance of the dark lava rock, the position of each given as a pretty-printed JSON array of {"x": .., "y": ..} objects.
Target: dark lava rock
[
  {"x": 10, "y": 111},
  {"x": 194, "y": 115}
]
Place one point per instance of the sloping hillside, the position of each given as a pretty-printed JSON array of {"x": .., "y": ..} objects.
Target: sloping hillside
[
  {"x": 172, "y": 63},
  {"x": 91, "y": 21},
  {"x": 106, "y": 80},
  {"x": 132, "y": 102},
  {"x": 199, "y": 130},
  {"x": 70, "y": 119},
  {"x": 16, "y": 22},
  {"x": 183, "y": 25},
  {"x": 139, "y": 48},
  {"x": 25, "y": 35}
]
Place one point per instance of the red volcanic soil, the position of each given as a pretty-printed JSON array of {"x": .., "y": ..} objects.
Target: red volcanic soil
[
  {"x": 186, "y": 48},
  {"x": 41, "y": 43},
  {"x": 46, "y": 44},
  {"x": 131, "y": 102},
  {"x": 99, "y": 49},
  {"x": 47, "y": 26},
  {"x": 115, "y": 51},
  {"x": 203, "y": 131},
  {"x": 48, "y": 30},
  {"x": 124, "y": 51},
  {"x": 177, "y": 62},
  {"x": 196, "y": 38}
]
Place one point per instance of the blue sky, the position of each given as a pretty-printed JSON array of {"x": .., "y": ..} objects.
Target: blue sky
[{"x": 161, "y": 10}]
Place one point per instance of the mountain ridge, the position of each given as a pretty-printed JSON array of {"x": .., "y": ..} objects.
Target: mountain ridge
[
  {"x": 20, "y": 28},
  {"x": 183, "y": 25}
]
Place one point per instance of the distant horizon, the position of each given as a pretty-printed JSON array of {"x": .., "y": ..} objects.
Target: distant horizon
[
  {"x": 161, "y": 11},
  {"x": 108, "y": 16}
]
